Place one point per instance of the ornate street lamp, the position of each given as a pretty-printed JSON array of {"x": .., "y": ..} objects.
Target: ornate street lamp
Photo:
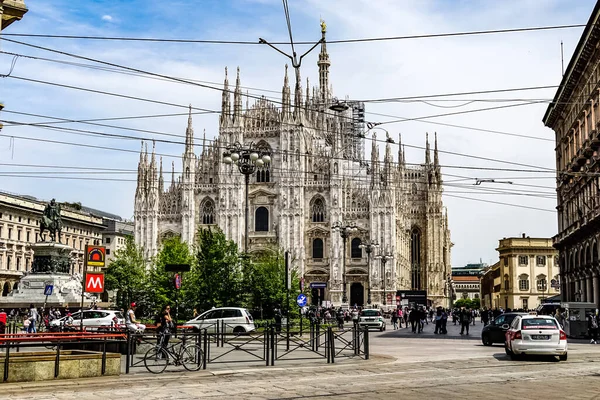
[
  {"x": 345, "y": 232},
  {"x": 247, "y": 158},
  {"x": 384, "y": 259},
  {"x": 369, "y": 246}
]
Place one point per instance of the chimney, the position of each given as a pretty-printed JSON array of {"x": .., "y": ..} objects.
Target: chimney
[{"x": 523, "y": 236}]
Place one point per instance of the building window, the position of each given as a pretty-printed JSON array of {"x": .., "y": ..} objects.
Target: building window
[
  {"x": 28, "y": 235},
  {"x": 524, "y": 282},
  {"x": 263, "y": 174},
  {"x": 19, "y": 219},
  {"x": 261, "y": 220},
  {"x": 542, "y": 283},
  {"x": 18, "y": 264},
  {"x": 355, "y": 250},
  {"x": 506, "y": 282},
  {"x": 8, "y": 262},
  {"x": 18, "y": 234},
  {"x": 540, "y": 260},
  {"x": 208, "y": 212},
  {"x": 525, "y": 304},
  {"x": 318, "y": 210},
  {"x": 523, "y": 260},
  {"x": 107, "y": 240},
  {"x": 108, "y": 252},
  {"x": 9, "y": 233},
  {"x": 317, "y": 248}
]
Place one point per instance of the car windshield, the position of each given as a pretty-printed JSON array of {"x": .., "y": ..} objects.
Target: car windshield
[
  {"x": 371, "y": 313},
  {"x": 539, "y": 323}
]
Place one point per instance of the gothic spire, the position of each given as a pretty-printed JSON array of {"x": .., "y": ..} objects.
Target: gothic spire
[
  {"x": 237, "y": 98},
  {"x": 436, "y": 161},
  {"x": 427, "y": 150},
  {"x": 388, "y": 159},
  {"x": 225, "y": 102},
  {"x": 298, "y": 96},
  {"x": 400, "y": 155},
  {"x": 161, "y": 180},
  {"x": 285, "y": 94},
  {"x": 323, "y": 64},
  {"x": 189, "y": 134},
  {"x": 204, "y": 142},
  {"x": 375, "y": 176},
  {"x": 172, "y": 173}
]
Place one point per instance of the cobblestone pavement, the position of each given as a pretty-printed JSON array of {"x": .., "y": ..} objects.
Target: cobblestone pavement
[{"x": 415, "y": 367}]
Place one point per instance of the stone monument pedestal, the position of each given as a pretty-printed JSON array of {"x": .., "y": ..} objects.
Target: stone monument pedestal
[{"x": 51, "y": 266}]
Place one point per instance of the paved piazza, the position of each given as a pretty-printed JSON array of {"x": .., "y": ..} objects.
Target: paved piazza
[{"x": 402, "y": 364}]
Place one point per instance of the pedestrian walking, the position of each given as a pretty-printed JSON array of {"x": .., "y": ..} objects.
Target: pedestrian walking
[
  {"x": 33, "y": 318},
  {"x": 444, "y": 322},
  {"x": 593, "y": 327},
  {"x": 485, "y": 317},
  {"x": 395, "y": 320},
  {"x": 400, "y": 317},
  {"x": 465, "y": 320},
  {"x": 166, "y": 325},
  {"x": 438, "y": 321}
]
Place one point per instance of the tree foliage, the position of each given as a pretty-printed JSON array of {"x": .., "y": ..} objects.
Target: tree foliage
[
  {"x": 216, "y": 278},
  {"x": 470, "y": 303},
  {"x": 126, "y": 273}
]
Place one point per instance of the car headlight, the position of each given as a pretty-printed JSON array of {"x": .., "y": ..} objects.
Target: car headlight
[{"x": 380, "y": 319}]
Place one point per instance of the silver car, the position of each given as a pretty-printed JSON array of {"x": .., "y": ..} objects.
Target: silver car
[
  {"x": 93, "y": 319},
  {"x": 232, "y": 319}
]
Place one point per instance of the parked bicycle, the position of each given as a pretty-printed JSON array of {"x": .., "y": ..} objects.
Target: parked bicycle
[{"x": 158, "y": 357}]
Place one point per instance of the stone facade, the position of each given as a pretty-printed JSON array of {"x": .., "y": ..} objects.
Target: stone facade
[
  {"x": 318, "y": 177},
  {"x": 115, "y": 235},
  {"x": 11, "y": 11},
  {"x": 573, "y": 115},
  {"x": 19, "y": 230},
  {"x": 523, "y": 276}
]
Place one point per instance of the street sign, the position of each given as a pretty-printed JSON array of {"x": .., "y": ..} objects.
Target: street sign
[
  {"x": 318, "y": 285},
  {"x": 301, "y": 300},
  {"x": 177, "y": 281},
  {"x": 95, "y": 256},
  {"x": 94, "y": 282},
  {"x": 48, "y": 290}
]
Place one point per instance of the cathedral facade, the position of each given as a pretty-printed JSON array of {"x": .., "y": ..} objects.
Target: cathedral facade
[{"x": 318, "y": 177}]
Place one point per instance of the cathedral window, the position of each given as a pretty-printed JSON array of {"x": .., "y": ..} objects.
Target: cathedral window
[
  {"x": 414, "y": 188},
  {"x": 318, "y": 210},
  {"x": 355, "y": 249},
  {"x": 415, "y": 258},
  {"x": 263, "y": 174},
  {"x": 208, "y": 212},
  {"x": 317, "y": 248},
  {"x": 261, "y": 220}
]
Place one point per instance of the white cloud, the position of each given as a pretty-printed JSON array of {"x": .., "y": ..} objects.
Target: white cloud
[{"x": 107, "y": 18}]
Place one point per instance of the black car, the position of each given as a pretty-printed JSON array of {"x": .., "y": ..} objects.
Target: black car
[{"x": 494, "y": 332}]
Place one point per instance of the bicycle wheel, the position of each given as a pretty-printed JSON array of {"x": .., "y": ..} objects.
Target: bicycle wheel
[
  {"x": 192, "y": 357},
  {"x": 156, "y": 360}
]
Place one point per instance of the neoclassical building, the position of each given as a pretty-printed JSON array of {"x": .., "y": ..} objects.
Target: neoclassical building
[
  {"x": 318, "y": 177},
  {"x": 574, "y": 117}
]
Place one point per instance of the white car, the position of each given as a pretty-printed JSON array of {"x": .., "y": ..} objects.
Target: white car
[
  {"x": 93, "y": 319},
  {"x": 536, "y": 335},
  {"x": 235, "y": 320},
  {"x": 371, "y": 319}
]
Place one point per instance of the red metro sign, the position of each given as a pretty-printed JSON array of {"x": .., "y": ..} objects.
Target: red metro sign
[{"x": 94, "y": 282}]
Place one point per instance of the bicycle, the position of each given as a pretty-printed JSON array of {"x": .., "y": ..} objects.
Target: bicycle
[{"x": 158, "y": 357}]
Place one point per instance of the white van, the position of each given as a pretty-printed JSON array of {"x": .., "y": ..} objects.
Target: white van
[{"x": 236, "y": 320}]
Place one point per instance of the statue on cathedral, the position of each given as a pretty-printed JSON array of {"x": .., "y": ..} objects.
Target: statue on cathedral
[
  {"x": 323, "y": 27},
  {"x": 51, "y": 221}
]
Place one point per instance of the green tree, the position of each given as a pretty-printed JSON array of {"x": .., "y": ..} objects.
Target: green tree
[
  {"x": 264, "y": 282},
  {"x": 162, "y": 285},
  {"x": 476, "y": 303},
  {"x": 463, "y": 303},
  {"x": 216, "y": 278},
  {"x": 126, "y": 274}
]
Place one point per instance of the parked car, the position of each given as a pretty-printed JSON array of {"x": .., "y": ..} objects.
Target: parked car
[
  {"x": 92, "y": 319},
  {"x": 371, "y": 319},
  {"x": 495, "y": 332},
  {"x": 235, "y": 319},
  {"x": 537, "y": 335}
]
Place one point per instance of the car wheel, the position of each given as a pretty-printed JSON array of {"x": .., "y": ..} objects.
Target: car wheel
[
  {"x": 238, "y": 330},
  {"x": 381, "y": 329},
  {"x": 485, "y": 339},
  {"x": 563, "y": 357}
]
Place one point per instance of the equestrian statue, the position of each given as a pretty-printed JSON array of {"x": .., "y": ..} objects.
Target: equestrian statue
[{"x": 51, "y": 221}]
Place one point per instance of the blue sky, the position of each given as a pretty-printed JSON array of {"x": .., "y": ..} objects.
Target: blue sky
[{"x": 367, "y": 70}]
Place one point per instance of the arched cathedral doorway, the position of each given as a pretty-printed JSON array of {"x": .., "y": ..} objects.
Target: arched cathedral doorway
[{"x": 357, "y": 294}]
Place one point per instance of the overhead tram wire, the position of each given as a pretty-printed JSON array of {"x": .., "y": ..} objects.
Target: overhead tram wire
[
  {"x": 398, "y": 119},
  {"x": 137, "y": 70},
  {"x": 502, "y": 203},
  {"x": 109, "y": 135},
  {"x": 338, "y": 41}
]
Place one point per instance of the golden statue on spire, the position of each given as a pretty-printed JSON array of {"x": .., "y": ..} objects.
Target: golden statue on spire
[{"x": 323, "y": 26}]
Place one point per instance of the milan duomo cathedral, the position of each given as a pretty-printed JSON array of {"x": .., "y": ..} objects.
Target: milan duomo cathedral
[{"x": 318, "y": 177}]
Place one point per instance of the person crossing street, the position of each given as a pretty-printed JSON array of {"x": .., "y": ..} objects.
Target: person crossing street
[{"x": 465, "y": 320}]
